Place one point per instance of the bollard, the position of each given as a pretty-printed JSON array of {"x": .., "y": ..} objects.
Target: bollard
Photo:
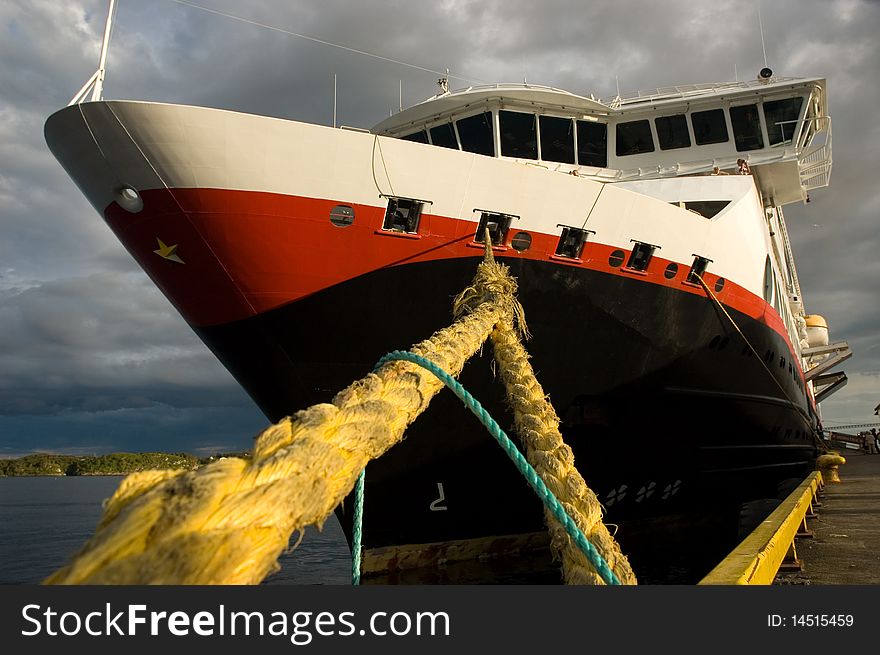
[{"x": 829, "y": 465}]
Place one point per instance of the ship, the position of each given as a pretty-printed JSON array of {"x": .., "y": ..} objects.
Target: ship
[{"x": 647, "y": 237}]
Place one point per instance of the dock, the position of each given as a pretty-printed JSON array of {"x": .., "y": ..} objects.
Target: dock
[{"x": 845, "y": 547}]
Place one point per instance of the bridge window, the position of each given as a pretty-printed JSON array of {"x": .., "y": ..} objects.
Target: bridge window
[
  {"x": 444, "y": 136},
  {"x": 709, "y": 127},
  {"x": 592, "y": 144},
  {"x": 476, "y": 134},
  {"x": 672, "y": 132},
  {"x": 705, "y": 208},
  {"x": 640, "y": 256},
  {"x": 419, "y": 137},
  {"x": 557, "y": 139},
  {"x": 634, "y": 138},
  {"x": 519, "y": 137},
  {"x": 571, "y": 242},
  {"x": 403, "y": 215},
  {"x": 498, "y": 225},
  {"x": 746, "y": 127},
  {"x": 781, "y": 119}
]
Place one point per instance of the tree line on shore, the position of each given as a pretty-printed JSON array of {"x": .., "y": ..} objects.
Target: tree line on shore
[{"x": 111, "y": 464}]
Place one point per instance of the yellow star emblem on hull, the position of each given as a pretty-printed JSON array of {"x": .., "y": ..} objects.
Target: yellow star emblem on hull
[{"x": 168, "y": 252}]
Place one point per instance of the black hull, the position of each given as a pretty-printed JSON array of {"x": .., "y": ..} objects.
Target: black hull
[{"x": 668, "y": 412}]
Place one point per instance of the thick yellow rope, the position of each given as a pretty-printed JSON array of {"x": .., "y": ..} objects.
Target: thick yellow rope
[
  {"x": 227, "y": 522},
  {"x": 537, "y": 424}
]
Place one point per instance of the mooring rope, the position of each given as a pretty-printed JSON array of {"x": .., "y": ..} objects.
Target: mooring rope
[
  {"x": 550, "y": 501},
  {"x": 537, "y": 424},
  {"x": 712, "y": 297},
  {"x": 228, "y": 522}
]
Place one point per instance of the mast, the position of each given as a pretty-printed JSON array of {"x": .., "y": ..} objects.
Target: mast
[{"x": 96, "y": 81}]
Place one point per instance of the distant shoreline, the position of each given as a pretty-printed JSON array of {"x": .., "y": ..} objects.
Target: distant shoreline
[{"x": 49, "y": 465}]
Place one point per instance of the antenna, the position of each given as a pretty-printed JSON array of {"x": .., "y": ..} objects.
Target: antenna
[
  {"x": 400, "y": 96},
  {"x": 761, "y": 28},
  {"x": 334, "y": 99},
  {"x": 735, "y": 74}
]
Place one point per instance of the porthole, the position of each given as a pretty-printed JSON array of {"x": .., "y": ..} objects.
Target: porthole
[
  {"x": 719, "y": 285},
  {"x": 714, "y": 342},
  {"x": 342, "y": 216},
  {"x": 521, "y": 241},
  {"x": 616, "y": 258},
  {"x": 671, "y": 271}
]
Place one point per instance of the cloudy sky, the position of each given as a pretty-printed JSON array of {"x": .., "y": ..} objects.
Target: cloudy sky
[{"x": 93, "y": 359}]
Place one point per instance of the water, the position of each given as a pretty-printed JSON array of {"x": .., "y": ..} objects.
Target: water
[{"x": 45, "y": 520}]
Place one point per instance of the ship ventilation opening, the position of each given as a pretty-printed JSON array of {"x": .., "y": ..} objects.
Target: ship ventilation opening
[
  {"x": 498, "y": 225},
  {"x": 403, "y": 215},
  {"x": 698, "y": 268},
  {"x": 640, "y": 256},
  {"x": 572, "y": 241}
]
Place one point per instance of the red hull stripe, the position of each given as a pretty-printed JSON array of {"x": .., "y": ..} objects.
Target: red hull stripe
[{"x": 247, "y": 252}]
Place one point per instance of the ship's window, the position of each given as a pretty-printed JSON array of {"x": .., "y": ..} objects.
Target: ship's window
[
  {"x": 634, "y": 138},
  {"x": 697, "y": 268},
  {"x": 709, "y": 127},
  {"x": 403, "y": 215},
  {"x": 444, "y": 136},
  {"x": 498, "y": 225},
  {"x": 521, "y": 241},
  {"x": 640, "y": 256},
  {"x": 768, "y": 281},
  {"x": 781, "y": 119},
  {"x": 476, "y": 134},
  {"x": 557, "y": 139},
  {"x": 746, "y": 127},
  {"x": 419, "y": 137},
  {"x": 719, "y": 285},
  {"x": 571, "y": 242},
  {"x": 592, "y": 144},
  {"x": 519, "y": 136},
  {"x": 671, "y": 271},
  {"x": 705, "y": 208},
  {"x": 672, "y": 132},
  {"x": 342, "y": 216}
]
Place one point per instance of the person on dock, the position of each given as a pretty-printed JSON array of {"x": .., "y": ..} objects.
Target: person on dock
[{"x": 875, "y": 438}]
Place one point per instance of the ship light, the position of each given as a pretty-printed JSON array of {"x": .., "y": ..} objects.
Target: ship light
[{"x": 129, "y": 199}]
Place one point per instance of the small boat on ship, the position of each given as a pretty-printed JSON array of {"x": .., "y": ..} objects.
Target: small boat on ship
[{"x": 648, "y": 239}]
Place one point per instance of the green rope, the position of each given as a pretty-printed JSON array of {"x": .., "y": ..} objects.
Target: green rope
[
  {"x": 535, "y": 482},
  {"x": 357, "y": 532}
]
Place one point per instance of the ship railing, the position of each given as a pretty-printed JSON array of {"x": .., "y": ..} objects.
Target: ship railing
[
  {"x": 814, "y": 164},
  {"x": 687, "y": 90}
]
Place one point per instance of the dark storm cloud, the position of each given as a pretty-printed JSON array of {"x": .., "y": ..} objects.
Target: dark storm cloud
[
  {"x": 102, "y": 342},
  {"x": 85, "y": 340}
]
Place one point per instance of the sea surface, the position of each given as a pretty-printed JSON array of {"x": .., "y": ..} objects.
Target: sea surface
[{"x": 45, "y": 520}]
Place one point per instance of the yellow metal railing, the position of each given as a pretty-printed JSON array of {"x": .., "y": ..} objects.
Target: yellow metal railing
[{"x": 759, "y": 556}]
